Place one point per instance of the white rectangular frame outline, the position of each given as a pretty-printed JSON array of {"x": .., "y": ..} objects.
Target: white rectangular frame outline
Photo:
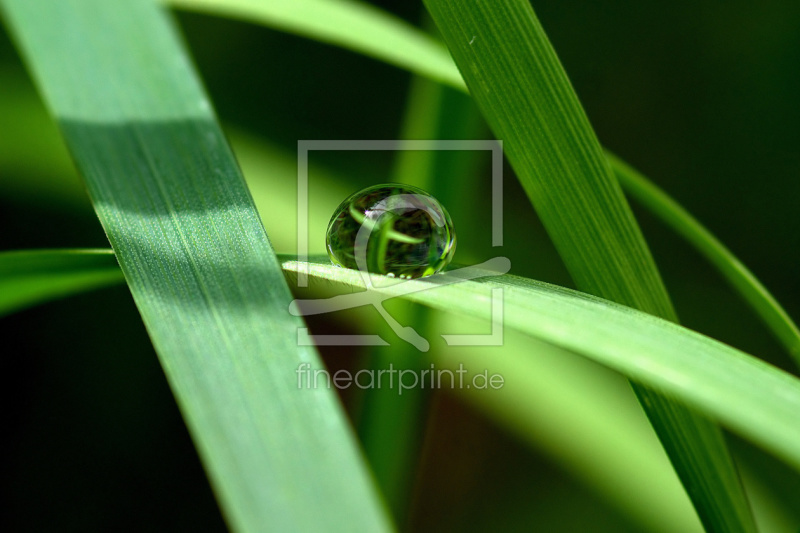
[{"x": 305, "y": 146}]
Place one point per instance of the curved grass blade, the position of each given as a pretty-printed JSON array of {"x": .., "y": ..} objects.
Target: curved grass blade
[
  {"x": 353, "y": 25},
  {"x": 584, "y": 418},
  {"x": 31, "y": 277},
  {"x": 634, "y": 183},
  {"x": 427, "y": 53},
  {"x": 753, "y": 398},
  {"x": 739, "y": 276},
  {"x": 515, "y": 78},
  {"x": 198, "y": 263}
]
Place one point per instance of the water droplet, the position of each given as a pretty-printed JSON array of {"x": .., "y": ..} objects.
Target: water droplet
[{"x": 392, "y": 229}]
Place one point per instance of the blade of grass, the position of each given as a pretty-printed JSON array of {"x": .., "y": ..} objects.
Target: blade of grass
[
  {"x": 545, "y": 401},
  {"x": 390, "y": 426},
  {"x": 515, "y": 78},
  {"x": 634, "y": 183},
  {"x": 753, "y": 398},
  {"x": 734, "y": 272},
  {"x": 198, "y": 263},
  {"x": 31, "y": 277},
  {"x": 584, "y": 418},
  {"x": 353, "y": 25},
  {"x": 427, "y": 53}
]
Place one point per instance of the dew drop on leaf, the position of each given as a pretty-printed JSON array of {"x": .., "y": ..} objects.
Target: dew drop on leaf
[{"x": 391, "y": 229}]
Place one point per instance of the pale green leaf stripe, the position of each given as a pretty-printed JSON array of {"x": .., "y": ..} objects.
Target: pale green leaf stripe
[
  {"x": 198, "y": 263},
  {"x": 426, "y": 60},
  {"x": 753, "y": 398},
  {"x": 31, "y": 277},
  {"x": 738, "y": 275},
  {"x": 353, "y": 25}
]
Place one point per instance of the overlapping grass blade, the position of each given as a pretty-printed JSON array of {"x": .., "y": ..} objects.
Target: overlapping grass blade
[
  {"x": 515, "y": 78},
  {"x": 426, "y": 60},
  {"x": 634, "y": 183},
  {"x": 350, "y": 24},
  {"x": 735, "y": 273},
  {"x": 198, "y": 263},
  {"x": 31, "y": 277},
  {"x": 187, "y": 0},
  {"x": 751, "y": 397},
  {"x": 754, "y": 398}
]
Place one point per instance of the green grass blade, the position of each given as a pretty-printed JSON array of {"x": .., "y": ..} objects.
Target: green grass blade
[
  {"x": 751, "y": 397},
  {"x": 392, "y": 427},
  {"x": 739, "y": 276},
  {"x": 350, "y": 24},
  {"x": 427, "y": 54},
  {"x": 426, "y": 60},
  {"x": 31, "y": 277},
  {"x": 563, "y": 406},
  {"x": 198, "y": 263},
  {"x": 515, "y": 78},
  {"x": 754, "y": 398}
]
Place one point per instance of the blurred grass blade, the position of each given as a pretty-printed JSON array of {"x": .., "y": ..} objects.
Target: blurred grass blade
[
  {"x": 515, "y": 78},
  {"x": 738, "y": 275},
  {"x": 36, "y": 168},
  {"x": 582, "y": 418},
  {"x": 426, "y": 60},
  {"x": 587, "y": 420},
  {"x": 392, "y": 427},
  {"x": 354, "y": 25},
  {"x": 751, "y": 397},
  {"x": 198, "y": 263},
  {"x": 31, "y": 277}
]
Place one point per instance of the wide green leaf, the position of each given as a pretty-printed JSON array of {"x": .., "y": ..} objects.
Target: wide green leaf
[{"x": 198, "y": 263}]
